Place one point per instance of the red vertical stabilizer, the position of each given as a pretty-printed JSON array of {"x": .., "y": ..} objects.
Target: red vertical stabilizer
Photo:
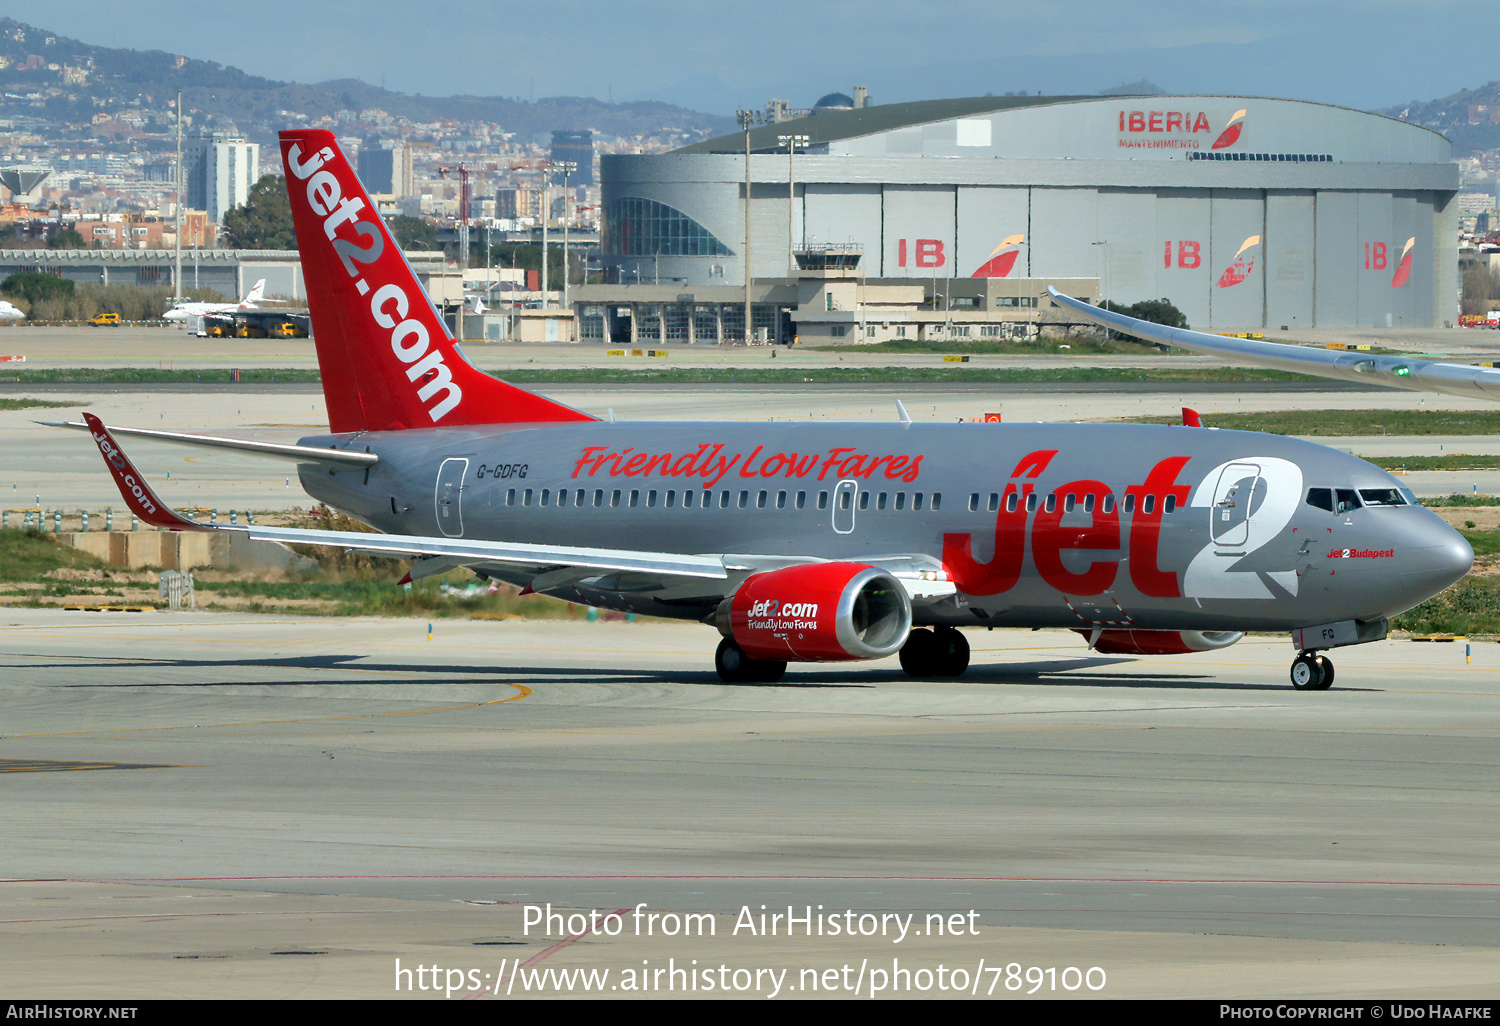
[{"x": 387, "y": 360}]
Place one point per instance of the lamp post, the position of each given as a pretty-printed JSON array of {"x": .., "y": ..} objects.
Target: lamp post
[
  {"x": 567, "y": 167},
  {"x": 790, "y": 142},
  {"x": 1104, "y": 274},
  {"x": 746, "y": 119}
]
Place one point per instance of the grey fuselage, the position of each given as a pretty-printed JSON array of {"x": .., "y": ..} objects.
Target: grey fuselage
[{"x": 1039, "y": 525}]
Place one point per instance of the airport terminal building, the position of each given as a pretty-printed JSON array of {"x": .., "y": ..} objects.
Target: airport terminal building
[{"x": 1243, "y": 212}]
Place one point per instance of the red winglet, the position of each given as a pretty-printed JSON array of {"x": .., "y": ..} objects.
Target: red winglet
[
  {"x": 1190, "y": 418},
  {"x": 138, "y": 494}
]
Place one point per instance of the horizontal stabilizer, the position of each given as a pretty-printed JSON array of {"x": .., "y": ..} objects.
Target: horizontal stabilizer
[{"x": 335, "y": 459}]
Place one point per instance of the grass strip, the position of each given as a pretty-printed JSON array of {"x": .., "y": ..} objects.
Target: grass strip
[{"x": 1349, "y": 422}]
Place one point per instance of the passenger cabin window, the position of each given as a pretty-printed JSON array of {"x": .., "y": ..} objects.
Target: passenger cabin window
[
  {"x": 916, "y": 500},
  {"x": 864, "y": 500},
  {"x": 974, "y": 502},
  {"x": 1010, "y": 505},
  {"x": 937, "y": 500},
  {"x": 822, "y": 500},
  {"x": 1321, "y": 498}
]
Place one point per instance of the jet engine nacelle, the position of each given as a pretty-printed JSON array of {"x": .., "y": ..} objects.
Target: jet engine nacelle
[
  {"x": 1136, "y": 642},
  {"x": 818, "y": 612}
]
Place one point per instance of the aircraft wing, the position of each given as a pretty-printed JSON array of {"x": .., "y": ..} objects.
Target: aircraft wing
[
  {"x": 546, "y": 566},
  {"x": 1366, "y": 368},
  {"x": 144, "y": 502},
  {"x": 333, "y": 459}
]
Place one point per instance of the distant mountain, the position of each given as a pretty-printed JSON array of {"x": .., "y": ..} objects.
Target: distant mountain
[
  {"x": 56, "y": 80},
  {"x": 1140, "y": 87},
  {"x": 1470, "y": 118}
]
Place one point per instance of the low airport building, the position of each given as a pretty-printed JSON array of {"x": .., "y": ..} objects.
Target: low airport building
[
  {"x": 229, "y": 272},
  {"x": 1243, "y": 212}
]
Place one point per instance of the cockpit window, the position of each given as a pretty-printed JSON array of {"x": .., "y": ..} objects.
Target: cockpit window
[
  {"x": 1382, "y": 497},
  {"x": 1322, "y": 498},
  {"x": 1345, "y": 499}
]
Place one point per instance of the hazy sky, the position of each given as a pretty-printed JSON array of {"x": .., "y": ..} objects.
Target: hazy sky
[{"x": 714, "y": 56}]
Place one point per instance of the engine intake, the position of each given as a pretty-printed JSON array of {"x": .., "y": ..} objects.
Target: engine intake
[
  {"x": 818, "y": 612},
  {"x": 1138, "y": 642}
]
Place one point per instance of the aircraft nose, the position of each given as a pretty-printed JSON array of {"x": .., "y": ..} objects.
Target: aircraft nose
[
  {"x": 1454, "y": 558},
  {"x": 1441, "y": 559}
]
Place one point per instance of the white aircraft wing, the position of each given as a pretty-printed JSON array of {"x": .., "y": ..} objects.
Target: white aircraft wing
[
  {"x": 1367, "y": 368},
  {"x": 547, "y": 566},
  {"x": 144, "y": 502}
]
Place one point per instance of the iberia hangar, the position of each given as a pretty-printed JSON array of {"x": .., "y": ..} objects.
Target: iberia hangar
[{"x": 1244, "y": 212}]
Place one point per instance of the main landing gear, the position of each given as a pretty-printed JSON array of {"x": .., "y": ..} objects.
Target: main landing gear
[
  {"x": 735, "y": 667},
  {"x": 1312, "y": 672},
  {"x": 940, "y": 652}
]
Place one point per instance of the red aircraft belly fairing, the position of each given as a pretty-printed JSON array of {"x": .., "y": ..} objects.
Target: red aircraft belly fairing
[{"x": 820, "y": 542}]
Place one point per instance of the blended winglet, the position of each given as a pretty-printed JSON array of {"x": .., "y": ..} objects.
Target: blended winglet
[{"x": 143, "y": 502}]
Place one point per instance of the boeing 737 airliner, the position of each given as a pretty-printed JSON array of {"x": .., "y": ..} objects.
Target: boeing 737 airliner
[{"x": 817, "y": 542}]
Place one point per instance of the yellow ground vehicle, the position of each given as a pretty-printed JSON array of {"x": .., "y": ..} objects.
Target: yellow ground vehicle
[
  {"x": 249, "y": 331},
  {"x": 105, "y": 320}
]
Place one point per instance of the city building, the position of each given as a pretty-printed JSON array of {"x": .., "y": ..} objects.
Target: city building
[
  {"x": 577, "y": 147},
  {"x": 1243, "y": 212},
  {"x": 219, "y": 170},
  {"x": 385, "y": 168}
]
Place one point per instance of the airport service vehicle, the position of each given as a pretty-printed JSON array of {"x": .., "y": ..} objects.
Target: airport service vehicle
[
  {"x": 105, "y": 320},
  {"x": 816, "y": 542},
  {"x": 192, "y": 311}
]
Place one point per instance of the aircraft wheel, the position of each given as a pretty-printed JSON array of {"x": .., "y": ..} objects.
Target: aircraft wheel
[
  {"x": 768, "y": 671},
  {"x": 732, "y": 662},
  {"x": 1308, "y": 673},
  {"x": 919, "y": 652},
  {"x": 951, "y": 652},
  {"x": 1327, "y": 666},
  {"x": 735, "y": 667}
]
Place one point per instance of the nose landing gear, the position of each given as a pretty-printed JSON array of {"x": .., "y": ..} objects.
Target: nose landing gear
[{"x": 1312, "y": 672}]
